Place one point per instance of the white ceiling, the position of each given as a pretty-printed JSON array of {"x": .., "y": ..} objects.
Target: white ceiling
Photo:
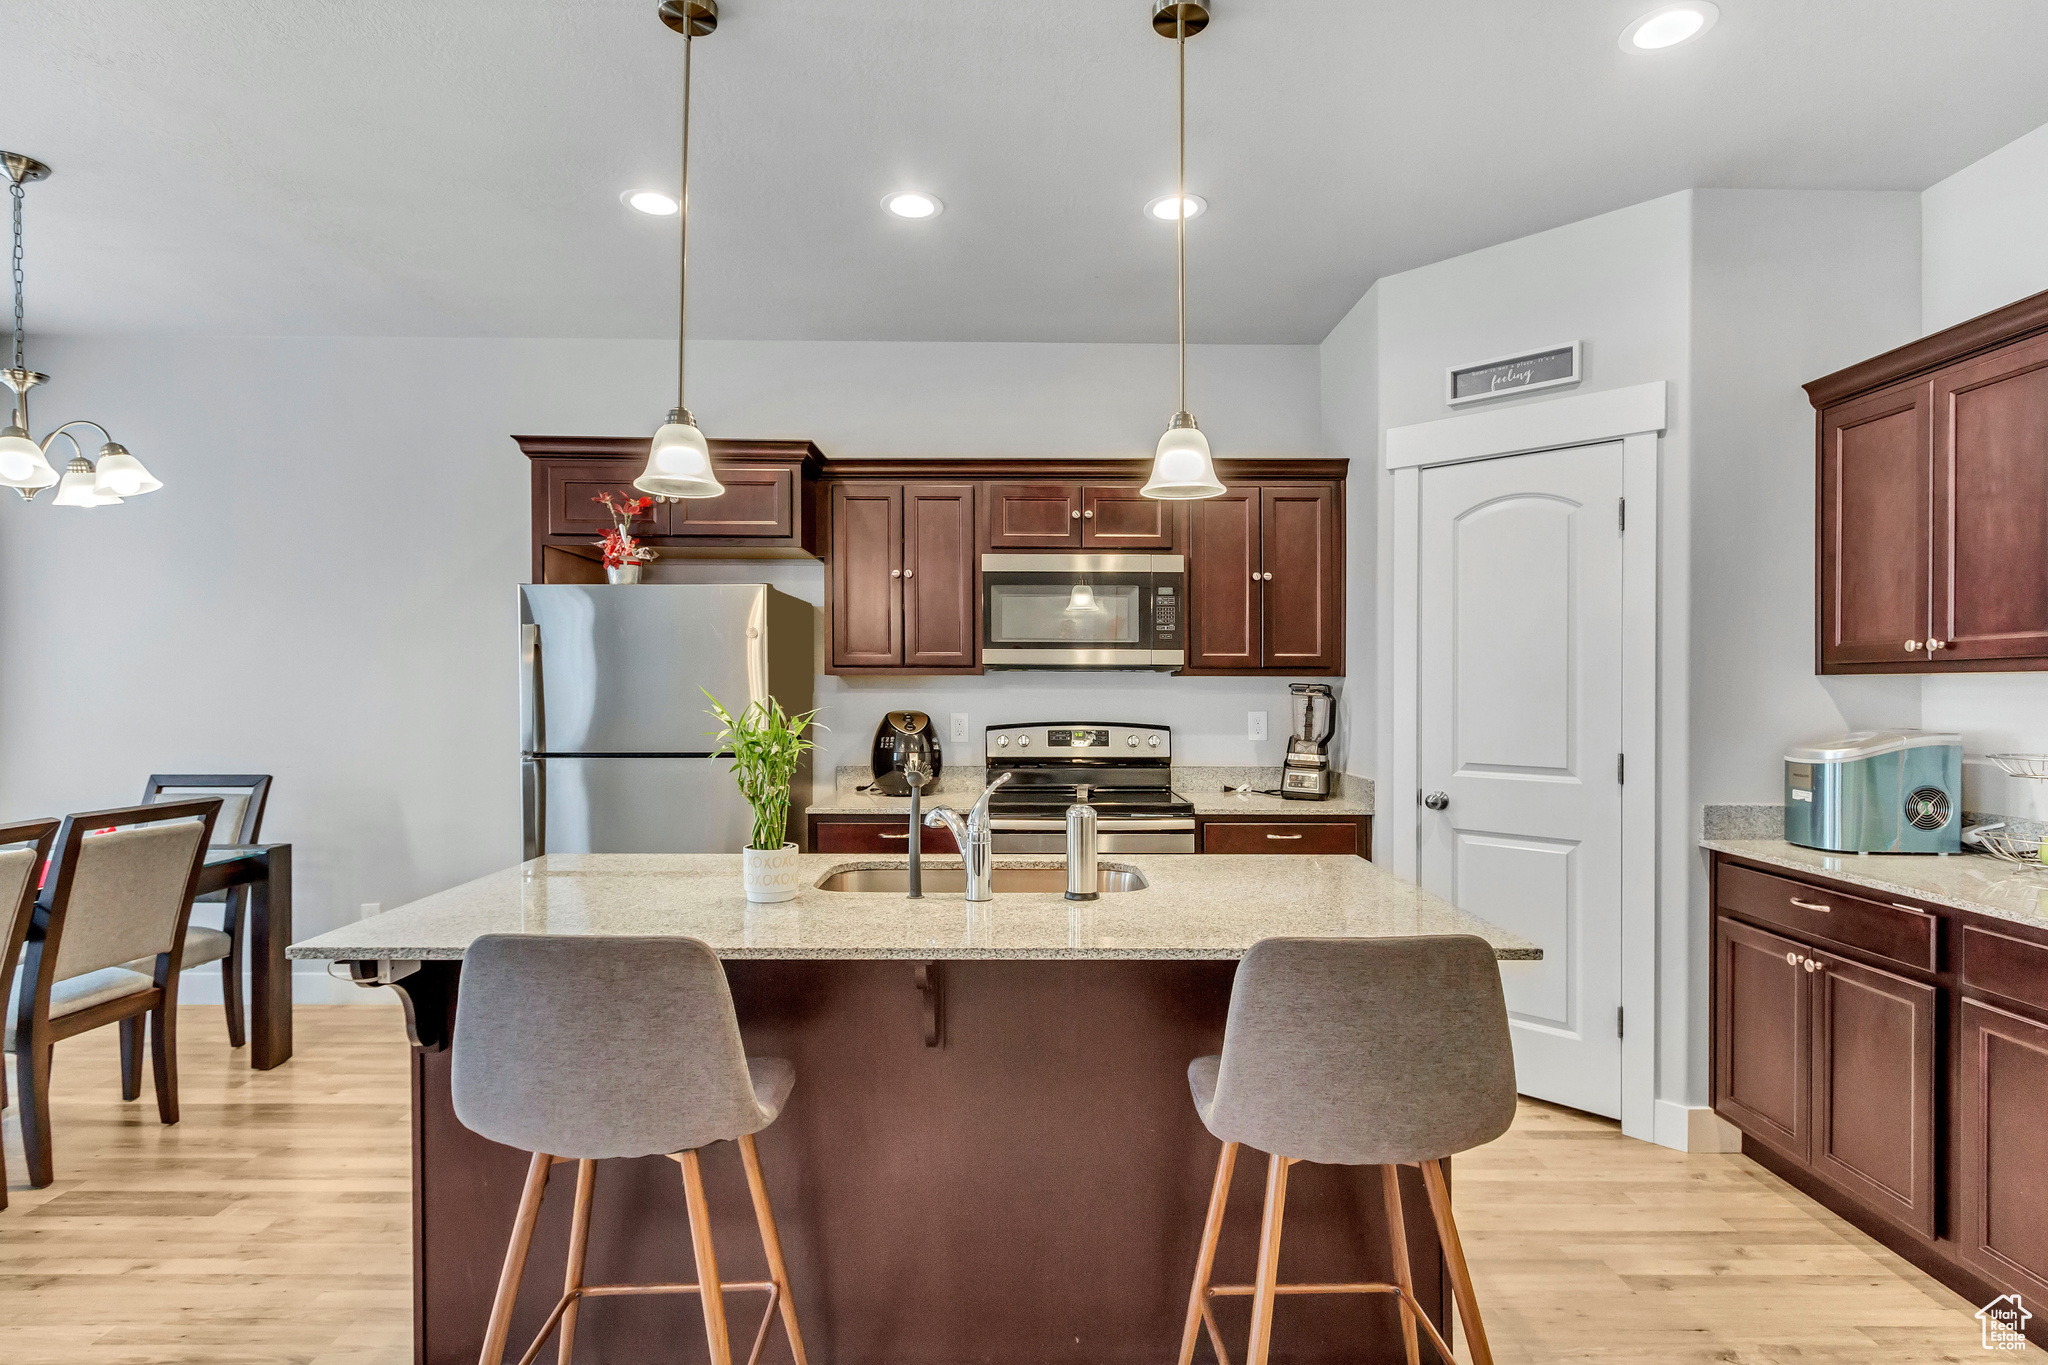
[{"x": 452, "y": 167}]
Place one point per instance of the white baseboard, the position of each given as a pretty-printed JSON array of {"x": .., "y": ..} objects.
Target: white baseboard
[
  {"x": 311, "y": 985},
  {"x": 1694, "y": 1128}
]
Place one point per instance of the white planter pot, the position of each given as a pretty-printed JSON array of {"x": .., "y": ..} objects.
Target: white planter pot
[
  {"x": 771, "y": 874},
  {"x": 629, "y": 573}
]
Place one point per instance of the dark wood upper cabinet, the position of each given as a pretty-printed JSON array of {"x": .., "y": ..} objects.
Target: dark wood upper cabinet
[
  {"x": 1224, "y": 581},
  {"x": 1303, "y": 578},
  {"x": 1123, "y": 518},
  {"x": 2002, "y": 1218},
  {"x": 1933, "y": 502},
  {"x": 1033, "y": 516},
  {"x": 770, "y": 508},
  {"x": 867, "y": 575},
  {"x": 941, "y": 604},
  {"x": 1873, "y": 1086}
]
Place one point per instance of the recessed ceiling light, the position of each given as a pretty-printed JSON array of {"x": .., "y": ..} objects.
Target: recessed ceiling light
[
  {"x": 1669, "y": 26},
  {"x": 649, "y": 201},
  {"x": 1163, "y": 206},
  {"x": 911, "y": 204}
]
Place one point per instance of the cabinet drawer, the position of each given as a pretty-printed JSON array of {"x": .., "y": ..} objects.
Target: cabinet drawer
[
  {"x": 572, "y": 490},
  {"x": 759, "y": 502},
  {"x": 1235, "y": 837},
  {"x": 876, "y": 836},
  {"x": 1826, "y": 913},
  {"x": 1033, "y": 516},
  {"x": 2007, "y": 966}
]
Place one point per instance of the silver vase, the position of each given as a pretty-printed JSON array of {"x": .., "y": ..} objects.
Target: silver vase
[{"x": 629, "y": 573}]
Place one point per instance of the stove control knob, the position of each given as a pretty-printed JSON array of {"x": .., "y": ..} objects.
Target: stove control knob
[
  {"x": 1154, "y": 741},
  {"x": 1023, "y": 741},
  {"x": 1002, "y": 741},
  {"x": 1131, "y": 741}
]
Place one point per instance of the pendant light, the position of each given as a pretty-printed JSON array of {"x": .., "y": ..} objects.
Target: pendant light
[
  {"x": 1181, "y": 467},
  {"x": 24, "y": 461},
  {"x": 679, "y": 461}
]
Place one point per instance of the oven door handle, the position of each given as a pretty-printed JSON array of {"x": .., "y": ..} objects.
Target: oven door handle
[{"x": 1019, "y": 824}]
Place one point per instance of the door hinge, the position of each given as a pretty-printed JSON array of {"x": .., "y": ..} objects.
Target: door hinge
[
  {"x": 1617, "y": 1021},
  {"x": 1620, "y": 769},
  {"x": 1621, "y": 514}
]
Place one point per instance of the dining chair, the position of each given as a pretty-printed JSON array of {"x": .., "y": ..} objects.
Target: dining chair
[
  {"x": 242, "y": 799},
  {"x": 24, "y": 847},
  {"x": 121, "y": 894}
]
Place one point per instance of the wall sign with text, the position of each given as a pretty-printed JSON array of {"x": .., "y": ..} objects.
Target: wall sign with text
[{"x": 1548, "y": 369}]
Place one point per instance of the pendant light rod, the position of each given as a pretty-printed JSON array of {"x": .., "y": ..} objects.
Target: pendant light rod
[
  {"x": 683, "y": 283},
  {"x": 1180, "y": 208}
]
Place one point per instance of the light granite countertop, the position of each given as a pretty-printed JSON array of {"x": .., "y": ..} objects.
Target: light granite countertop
[
  {"x": 1962, "y": 881},
  {"x": 1195, "y": 906}
]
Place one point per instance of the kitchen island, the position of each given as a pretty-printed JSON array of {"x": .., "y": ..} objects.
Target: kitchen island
[{"x": 990, "y": 1155}]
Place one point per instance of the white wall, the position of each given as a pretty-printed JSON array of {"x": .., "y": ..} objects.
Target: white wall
[
  {"x": 323, "y": 588},
  {"x": 1982, "y": 234},
  {"x": 1984, "y": 247},
  {"x": 1350, "y": 372}
]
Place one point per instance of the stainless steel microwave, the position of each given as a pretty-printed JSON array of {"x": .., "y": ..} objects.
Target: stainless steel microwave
[{"x": 1083, "y": 611}]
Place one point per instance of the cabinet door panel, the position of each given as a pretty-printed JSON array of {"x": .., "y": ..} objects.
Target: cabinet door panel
[
  {"x": 1123, "y": 518},
  {"x": 939, "y": 598},
  {"x": 876, "y": 836},
  {"x": 759, "y": 502},
  {"x": 1224, "y": 594},
  {"x": 1873, "y": 1087},
  {"x": 1875, "y": 524},
  {"x": 1762, "y": 1038},
  {"x": 1034, "y": 516},
  {"x": 1278, "y": 837},
  {"x": 1991, "y": 505},
  {"x": 573, "y": 509},
  {"x": 2003, "y": 1219},
  {"x": 867, "y": 559},
  {"x": 1304, "y": 578}
]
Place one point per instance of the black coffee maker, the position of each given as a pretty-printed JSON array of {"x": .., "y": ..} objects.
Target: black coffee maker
[{"x": 901, "y": 738}]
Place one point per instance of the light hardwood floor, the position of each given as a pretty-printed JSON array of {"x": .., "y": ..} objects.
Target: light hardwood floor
[{"x": 272, "y": 1225}]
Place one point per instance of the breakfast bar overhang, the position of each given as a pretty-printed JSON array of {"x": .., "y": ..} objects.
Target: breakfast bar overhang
[{"x": 990, "y": 1154}]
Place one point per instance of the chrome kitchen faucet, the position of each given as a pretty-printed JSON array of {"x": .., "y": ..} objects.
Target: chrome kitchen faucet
[{"x": 972, "y": 834}]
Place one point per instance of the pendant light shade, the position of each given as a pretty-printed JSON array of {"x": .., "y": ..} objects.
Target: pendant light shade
[
  {"x": 76, "y": 488},
  {"x": 679, "y": 465},
  {"x": 1181, "y": 466},
  {"x": 679, "y": 460},
  {"x": 22, "y": 462}
]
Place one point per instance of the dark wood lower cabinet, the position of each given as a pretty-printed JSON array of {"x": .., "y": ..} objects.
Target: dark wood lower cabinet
[
  {"x": 2002, "y": 1227},
  {"x": 1914, "y": 1102},
  {"x": 864, "y": 835}
]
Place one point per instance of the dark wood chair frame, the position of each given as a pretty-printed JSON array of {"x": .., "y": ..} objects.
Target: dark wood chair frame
[
  {"x": 236, "y": 897},
  {"x": 36, "y": 1034},
  {"x": 14, "y": 927}
]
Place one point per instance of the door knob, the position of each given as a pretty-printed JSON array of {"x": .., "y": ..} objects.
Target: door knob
[
  {"x": 1437, "y": 800},
  {"x": 1912, "y": 646}
]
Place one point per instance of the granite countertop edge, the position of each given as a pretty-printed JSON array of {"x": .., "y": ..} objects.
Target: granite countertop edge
[{"x": 1914, "y": 876}]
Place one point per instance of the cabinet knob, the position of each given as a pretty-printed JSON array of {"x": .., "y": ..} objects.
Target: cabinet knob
[
  {"x": 1077, "y": 516},
  {"x": 1912, "y": 646},
  {"x": 1791, "y": 959},
  {"x": 910, "y": 573},
  {"x": 1937, "y": 644},
  {"x": 1269, "y": 578},
  {"x": 1255, "y": 575},
  {"x": 1089, "y": 515},
  {"x": 895, "y": 573},
  {"x": 1811, "y": 965}
]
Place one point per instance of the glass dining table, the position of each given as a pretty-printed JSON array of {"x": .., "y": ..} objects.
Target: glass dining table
[{"x": 266, "y": 869}]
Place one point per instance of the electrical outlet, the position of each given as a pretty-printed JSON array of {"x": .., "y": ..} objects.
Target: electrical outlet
[
  {"x": 1255, "y": 725},
  {"x": 960, "y": 727},
  {"x": 370, "y": 908}
]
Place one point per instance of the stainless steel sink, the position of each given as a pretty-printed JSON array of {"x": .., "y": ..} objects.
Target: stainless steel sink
[{"x": 940, "y": 881}]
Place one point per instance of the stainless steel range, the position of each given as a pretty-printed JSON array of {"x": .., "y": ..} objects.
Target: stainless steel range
[{"x": 1124, "y": 771}]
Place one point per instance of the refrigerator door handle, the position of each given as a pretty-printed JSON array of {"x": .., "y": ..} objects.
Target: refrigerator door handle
[
  {"x": 757, "y": 650},
  {"x": 532, "y": 735},
  {"x": 533, "y": 802}
]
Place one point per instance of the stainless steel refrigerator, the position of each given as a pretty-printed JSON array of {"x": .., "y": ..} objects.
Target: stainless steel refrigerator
[{"x": 615, "y": 735}]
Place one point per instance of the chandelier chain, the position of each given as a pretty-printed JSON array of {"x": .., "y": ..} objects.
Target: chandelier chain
[{"x": 20, "y": 358}]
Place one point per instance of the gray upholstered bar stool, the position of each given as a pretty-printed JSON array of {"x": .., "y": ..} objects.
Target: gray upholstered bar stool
[
  {"x": 577, "y": 1049},
  {"x": 1354, "y": 1052}
]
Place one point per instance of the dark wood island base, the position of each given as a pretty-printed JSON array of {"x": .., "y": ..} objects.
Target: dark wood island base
[{"x": 1027, "y": 1189}]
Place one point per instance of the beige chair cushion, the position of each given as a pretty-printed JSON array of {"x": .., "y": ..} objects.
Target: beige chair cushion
[
  {"x": 17, "y": 865},
  {"x": 234, "y": 803},
  {"x": 126, "y": 895},
  {"x": 202, "y": 945},
  {"x": 79, "y": 993}
]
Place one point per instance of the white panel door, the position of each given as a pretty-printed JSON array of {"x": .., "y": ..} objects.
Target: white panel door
[{"x": 1520, "y": 743}]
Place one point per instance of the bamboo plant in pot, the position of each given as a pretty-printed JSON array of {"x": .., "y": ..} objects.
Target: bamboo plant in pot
[{"x": 766, "y": 743}]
